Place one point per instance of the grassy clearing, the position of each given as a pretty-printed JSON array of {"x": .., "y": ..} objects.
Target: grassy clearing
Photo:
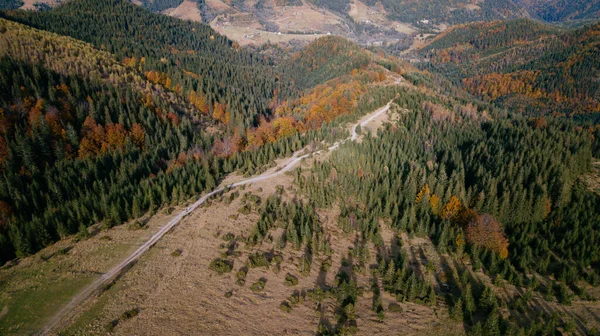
[
  {"x": 32, "y": 291},
  {"x": 28, "y": 309}
]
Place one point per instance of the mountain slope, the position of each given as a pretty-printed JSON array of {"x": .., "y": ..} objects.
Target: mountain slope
[
  {"x": 198, "y": 60},
  {"x": 83, "y": 137},
  {"x": 523, "y": 65},
  {"x": 561, "y": 10}
]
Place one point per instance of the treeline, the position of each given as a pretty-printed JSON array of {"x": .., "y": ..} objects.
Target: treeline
[
  {"x": 160, "y": 5},
  {"x": 10, "y": 4}
]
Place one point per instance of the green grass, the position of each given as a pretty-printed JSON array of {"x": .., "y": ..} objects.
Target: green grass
[{"x": 30, "y": 308}]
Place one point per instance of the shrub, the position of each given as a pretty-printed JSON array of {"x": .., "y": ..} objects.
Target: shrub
[
  {"x": 176, "y": 253},
  {"x": 326, "y": 265},
  {"x": 278, "y": 259},
  {"x": 304, "y": 266},
  {"x": 136, "y": 225},
  {"x": 245, "y": 210},
  {"x": 110, "y": 326},
  {"x": 258, "y": 286},
  {"x": 258, "y": 260},
  {"x": 285, "y": 307},
  {"x": 395, "y": 308},
  {"x": 130, "y": 314},
  {"x": 290, "y": 280},
  {"x": 296, "y": 298},
  {"x": 228, "y": 294},
  {"x": 221, "y": 265},
  {"x": 229, "y": 237}
]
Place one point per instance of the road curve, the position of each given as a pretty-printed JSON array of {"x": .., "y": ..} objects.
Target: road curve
[{"x": 116, "y": 270}]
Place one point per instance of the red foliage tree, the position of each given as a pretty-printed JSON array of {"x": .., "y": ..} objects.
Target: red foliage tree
[{"x": 486, "y": 232}]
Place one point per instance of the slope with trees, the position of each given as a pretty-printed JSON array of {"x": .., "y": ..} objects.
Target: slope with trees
[{"x": 523, "y": 65}]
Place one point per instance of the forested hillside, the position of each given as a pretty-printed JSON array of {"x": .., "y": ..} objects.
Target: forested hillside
[
  {"x": 503, "y": 193},
  {"x": 86, "y": 138},
  {"x": 186, "y": 57},
  {"x": 325, "y": 59},
  {"x": 561, "y": 10},
  {"x": 523, "y": 65},
  {"x": 104, "y": 132}
]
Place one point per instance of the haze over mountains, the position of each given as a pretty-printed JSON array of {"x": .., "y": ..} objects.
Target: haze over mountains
[{"x": 425, "y": 167}]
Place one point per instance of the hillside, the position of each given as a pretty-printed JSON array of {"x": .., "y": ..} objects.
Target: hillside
[
  {"x": 80, "y": 131},
  {"x": 523, "y": 65},
  {"x": 158, "y": 178},
  {"x": 561, "y": 10},
  {"x": 199, "y": 107}
]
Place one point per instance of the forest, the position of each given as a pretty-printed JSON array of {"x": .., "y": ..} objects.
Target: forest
[
  {"x": 109, "y": 112},
  {"x": 102, "y": 132},
  {"x": 444, "y": 170},
  {"x": 523, "y": 65}
]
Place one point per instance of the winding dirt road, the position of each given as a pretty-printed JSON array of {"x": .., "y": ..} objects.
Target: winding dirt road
[{"x": 121, "y": 267}]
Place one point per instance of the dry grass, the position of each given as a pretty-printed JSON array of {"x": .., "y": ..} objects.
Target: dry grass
[
  {"x": 188, "y": 10},
  {"x": 181, "y": 295},
  {"x": 34, "y": 289},
  {"x": 376, "y": 15},
  {"x": 29, "y": 4}
]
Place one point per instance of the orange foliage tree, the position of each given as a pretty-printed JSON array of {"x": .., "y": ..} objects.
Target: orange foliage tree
[
  {"x": 138, "y": 135},
  {"x": 486, "y": 232},
  {"x": 452, "y": 208}
]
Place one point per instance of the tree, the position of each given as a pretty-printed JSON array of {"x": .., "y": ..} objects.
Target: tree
[{"x": 486, "y": 232}]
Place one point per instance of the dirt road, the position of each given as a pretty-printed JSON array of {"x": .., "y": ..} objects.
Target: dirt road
[{"x": 110, "y": 275}]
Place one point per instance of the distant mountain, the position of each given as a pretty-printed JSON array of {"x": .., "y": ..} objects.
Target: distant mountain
[
  {"x": 561, "y": 10},
  {"x": 524, "y": 65}
]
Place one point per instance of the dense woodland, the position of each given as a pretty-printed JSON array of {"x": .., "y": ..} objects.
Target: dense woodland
[
  {"x": 561, "y": 10},
  {"x": 186, "y": 57},
  {"x": 160, "y": 5},
  {"x": 523, "y": 65},
  {"x": 449, "y": 11}
]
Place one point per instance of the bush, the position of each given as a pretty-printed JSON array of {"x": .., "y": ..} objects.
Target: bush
[
  {"x": 136, "y": 225},
  {"x": 258, "y": 286},
  {"x": 130, "y": 314},
  {"x": 395, "y": 308},
  {"x": 110, "y": 326},
  {"x": 229, "y": 237},
  {"x": 176, "y": 253},
  {"x": 290, "y": 280},
  {"x": 326, "y": 265},
  {"x": 258, "y": 260},
  {"x": 228, "y": 294},
  {"x": 304, "y": 266},
  {"x": 285, "y": 307},
  {"x": 245, "y": 210},
  {"x": 221, "y": 266},
  {"x": 296, "y": 298},
  {"x": 278, "y": 259}
]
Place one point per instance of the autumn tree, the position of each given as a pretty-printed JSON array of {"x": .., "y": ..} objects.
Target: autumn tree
[{"x": 487, "y": 232}]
